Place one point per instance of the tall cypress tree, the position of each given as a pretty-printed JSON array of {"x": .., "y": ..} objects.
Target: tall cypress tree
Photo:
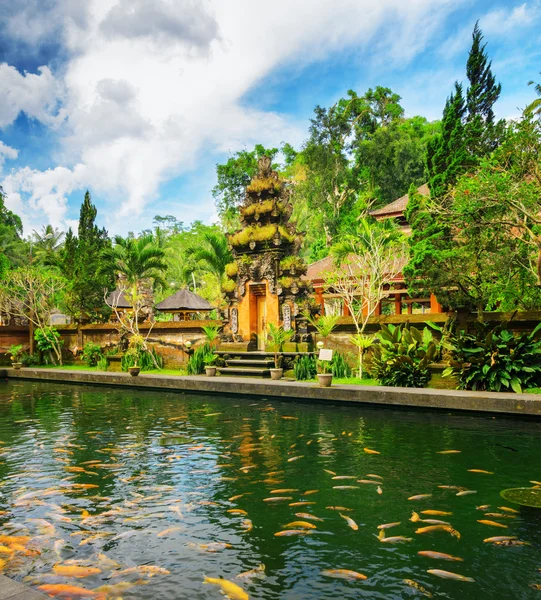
[
  {"x": 482, "y": 134},
  {"x": 468, "y": 128},
  {"x": 446, "y": 153},
  {"x": 81, "y": 261}
]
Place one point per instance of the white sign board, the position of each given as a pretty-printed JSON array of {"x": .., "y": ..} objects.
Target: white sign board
[{"x": 325, "y": 354}]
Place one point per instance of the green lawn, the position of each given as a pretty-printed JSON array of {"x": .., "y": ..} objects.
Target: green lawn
[
  {"x": 87, "y": 368},
  {"x": 352, "y": 381}
]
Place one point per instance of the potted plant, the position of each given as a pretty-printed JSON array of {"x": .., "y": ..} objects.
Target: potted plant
[
  {"x": 16, "y": 353},
  {"x": 324, "y": 377},
  {"x": 209, "y": 360},
  {"x": 325, "y": 325},
  {"x": 134, "y": 348},
  {"x": 277, "y": 337}
]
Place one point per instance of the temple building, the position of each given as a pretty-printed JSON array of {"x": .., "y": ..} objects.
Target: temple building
[
  {"x": 265, "y": 283},
  {"x": 398, "y": 300}
]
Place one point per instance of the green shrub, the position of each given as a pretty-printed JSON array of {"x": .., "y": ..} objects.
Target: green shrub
[
  {"x": 16, "y": 352},
  {"x": 496, "y": 359},
  {"x": 146, "y": 359},
  {"x": 305, "y": 368},
  {"x": 102, "y": 364},
  {"x": 92, "y": 353},
  {"x": 339, "y": 366},
  {"x": 29, "y": 360},
  {"x": 43, "y": 337},
  {"x": 196, "y": 362},
  {"x": 403, "y": 356}
]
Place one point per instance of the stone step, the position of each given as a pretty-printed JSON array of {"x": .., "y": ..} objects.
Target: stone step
[
  {"x": 246, "y": 372},
  {"x": 247, "y": 362}
]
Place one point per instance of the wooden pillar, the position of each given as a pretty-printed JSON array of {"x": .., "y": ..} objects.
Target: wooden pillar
[
  {"x": 398, "y": 304},
  {"x": 435, "y": 306},
  {"x": 377, "y": 312},
  {"x": 345, "y": 312},
  {"x": 319, "y": 299},
  {"x": 410, "y": 308}
]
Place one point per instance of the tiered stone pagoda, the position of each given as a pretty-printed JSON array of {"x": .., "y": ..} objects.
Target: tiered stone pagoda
[{"x": 265, "y": 284}]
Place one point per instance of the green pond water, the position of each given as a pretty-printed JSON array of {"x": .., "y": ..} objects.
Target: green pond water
[{"x": 165, "y": 469}]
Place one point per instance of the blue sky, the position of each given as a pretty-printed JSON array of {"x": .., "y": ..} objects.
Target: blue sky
[{"x": 137, "y": 100}]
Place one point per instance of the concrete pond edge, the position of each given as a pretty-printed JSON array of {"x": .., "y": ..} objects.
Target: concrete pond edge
[{"x": 424, "y": 398}]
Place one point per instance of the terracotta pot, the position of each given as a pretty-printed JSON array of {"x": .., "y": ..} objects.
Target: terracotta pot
[
  {"x": 16, "y": 365},
  {"x": 134, "y": 371},
  {"x": 210, "y": 371},
  {"x": 325, "y": 379},
  {"x": 276, "y": 373}
]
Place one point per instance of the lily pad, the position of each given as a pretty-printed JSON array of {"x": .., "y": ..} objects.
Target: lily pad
[
  {"x": 176, "y": 440},
  {"x": 523, "y": 496}
]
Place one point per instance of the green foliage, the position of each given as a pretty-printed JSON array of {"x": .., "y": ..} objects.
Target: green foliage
[
  {"x": 47, "y": 340},
  {"x": 233, "y": 178},
  {"x": 212, "y": 252},
  {"x": 324, "y": 324},
  {"x": 229, "y": 285},
  {"x": 212, "y": 333},
  {"x": 210, "y": 359},
  {"x": 102, "y": 364},
  {"x": 277, "y": 337},
  {"x": 92, "y": 354},
  {"x": 496, "y": 359},
  {"x": 339, "y": 366},
  {"x": 29, "y": 360},
  {"x": 136, "y": 259},
  {"x": 196, "y": 362},
  {"x": 16, "y": 351},
  {"x": 403, "y": 356},
  {"x": 260, "y": 233},
  {"x": 232, "y": 269},
  {"x": 468, "y": 129},
  {"x": 82, "y": 264},
  {"x": 293, "y": 263},
  {"x": 145, "y": 359},
  {"x": 304, "y": 368}
]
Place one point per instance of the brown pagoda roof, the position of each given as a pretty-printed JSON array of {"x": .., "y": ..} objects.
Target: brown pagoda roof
[
  {"x": 118, "y": 298},
  {"x": 396, "y": 208},
  {"x": 184, "y": 300}
]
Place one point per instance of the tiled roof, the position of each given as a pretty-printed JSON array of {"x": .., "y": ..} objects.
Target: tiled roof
[{"x": 398, "y": 206}]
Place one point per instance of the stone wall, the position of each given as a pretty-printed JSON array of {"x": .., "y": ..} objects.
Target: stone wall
[{"x": 168, "y": 338}]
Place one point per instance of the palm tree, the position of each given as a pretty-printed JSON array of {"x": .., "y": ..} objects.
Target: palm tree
[
  {"x": 213, "y": 253},
  {"x": 136, "y": 259},
  {"x": 46, "y": 244},
  {"x": 534, "y": 108}
]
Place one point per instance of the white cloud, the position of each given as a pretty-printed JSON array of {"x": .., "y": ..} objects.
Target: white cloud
[
  {"x": 41, "y": 196},
  {"x": 151, "y": 86},
  {"x": 37, "y": 95},
  {"x": 7, "y": 152}
]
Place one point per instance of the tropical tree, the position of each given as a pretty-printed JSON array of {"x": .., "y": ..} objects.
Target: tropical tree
[
  {"x": 534, "y": 108},
  {"x": 46, "y": 245},
  {"x": 211, "y": 252},
  {"x": 366, "y": 261},
  {"x": 32, "y": 293},
  {"x": 83, "y": 266},
  {"x": 136, "y": 259}
]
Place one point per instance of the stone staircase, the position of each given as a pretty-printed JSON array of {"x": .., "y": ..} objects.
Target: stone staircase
[{"x": 246, "y": 364}]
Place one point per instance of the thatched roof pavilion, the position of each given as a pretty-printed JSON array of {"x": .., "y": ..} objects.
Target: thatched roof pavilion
[
  {"x": 118, "y": 299},
  {"x": 184, "y": 303}
]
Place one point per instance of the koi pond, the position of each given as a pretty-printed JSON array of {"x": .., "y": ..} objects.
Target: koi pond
[{"x": 108, "y": 493}]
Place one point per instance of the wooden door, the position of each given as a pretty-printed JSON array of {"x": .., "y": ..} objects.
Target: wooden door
[{"x": 261, "y": 322}]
